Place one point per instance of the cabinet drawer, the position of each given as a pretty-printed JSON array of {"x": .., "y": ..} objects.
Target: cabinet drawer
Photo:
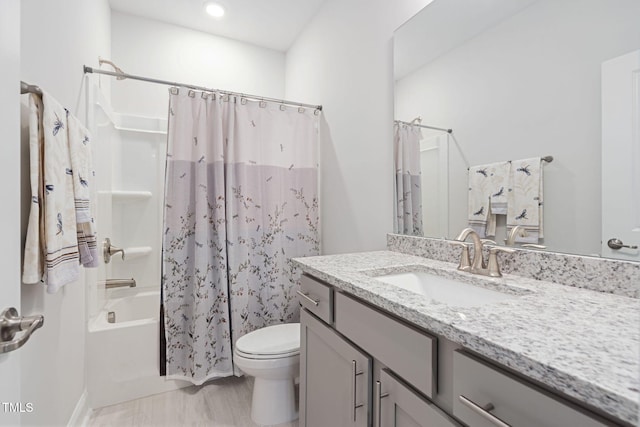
[
  {"x": 409, "y": 353},
  {"x": 477, "y": 385},
  {"x": 316, "y": 297}
]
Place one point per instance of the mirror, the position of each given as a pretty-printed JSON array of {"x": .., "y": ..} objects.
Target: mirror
[{"x": 513, "y": 79}]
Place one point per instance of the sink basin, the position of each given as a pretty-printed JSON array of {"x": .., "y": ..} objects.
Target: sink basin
[{"x": 445, "y": 290}]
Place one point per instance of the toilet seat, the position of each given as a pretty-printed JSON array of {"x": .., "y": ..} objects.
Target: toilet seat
[
  {"x": 272, "y": 342},
  {"x": 267, "y": 356}
]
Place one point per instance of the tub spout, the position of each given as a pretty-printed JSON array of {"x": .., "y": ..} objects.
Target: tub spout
[{"x": 118, "y": 283}]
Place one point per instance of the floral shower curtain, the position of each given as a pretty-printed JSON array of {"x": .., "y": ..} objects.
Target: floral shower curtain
[
  {"x": 241, "y": 201},
  {"x": 408, "y": 191}
]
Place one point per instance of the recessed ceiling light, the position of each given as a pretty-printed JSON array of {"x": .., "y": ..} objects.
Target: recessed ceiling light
[{"x": 214, "y": 9}]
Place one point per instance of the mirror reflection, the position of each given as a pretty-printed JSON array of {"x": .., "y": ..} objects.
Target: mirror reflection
[{"x": 516, "y": 81}]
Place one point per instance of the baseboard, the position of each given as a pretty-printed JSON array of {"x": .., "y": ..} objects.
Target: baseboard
[{"x": 81, "y": 413}]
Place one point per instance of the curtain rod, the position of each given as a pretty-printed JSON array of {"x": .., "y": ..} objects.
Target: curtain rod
[
  {"x": 424, "y": 126},
  {"x": 27, "y": 88},
  {"x": 204, "y": 89}
]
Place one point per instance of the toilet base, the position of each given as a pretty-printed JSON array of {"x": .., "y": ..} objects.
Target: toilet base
[{"x": 273, "y": 402}]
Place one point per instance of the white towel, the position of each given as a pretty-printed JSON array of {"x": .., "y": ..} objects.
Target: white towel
[
  {"x": 61, "y": 178},
  {"x": 526, "y": 199},
  {"x": 488, "y": 188},
  {"x": 61, "y": 243},
  {"x": 83, "y": 174},
  {"x": 34, "y": 245}
]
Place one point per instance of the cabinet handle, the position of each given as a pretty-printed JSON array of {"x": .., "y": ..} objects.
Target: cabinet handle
[
  {"x": 483, "y": 412},
  {"x": 306, "y": 296},
  {"x": 354, "y": 376},
  {"x": 379, "y": 397}
]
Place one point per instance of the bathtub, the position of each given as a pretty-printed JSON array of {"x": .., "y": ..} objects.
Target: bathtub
[{"x": 123, "y": 357}]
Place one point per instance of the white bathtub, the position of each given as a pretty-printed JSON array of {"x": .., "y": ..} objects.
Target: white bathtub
[{"x": 123, "y": 357}]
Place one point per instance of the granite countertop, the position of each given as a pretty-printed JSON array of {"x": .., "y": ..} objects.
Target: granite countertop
[{"x": 583, "y": 343}]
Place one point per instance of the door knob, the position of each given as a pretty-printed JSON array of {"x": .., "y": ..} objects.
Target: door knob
[
  {"x": 617, "y": 244},
  {"x": 11, "y": 323}
]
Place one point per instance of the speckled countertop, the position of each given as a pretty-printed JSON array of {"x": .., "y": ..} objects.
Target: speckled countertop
[{"x": 583, "y": 343}]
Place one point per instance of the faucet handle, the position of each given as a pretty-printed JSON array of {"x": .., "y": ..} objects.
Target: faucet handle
[
  {"x": 494, "y": 267},
  {"x": 465, "y": 260},
  {"x": 108, "y": 250}
]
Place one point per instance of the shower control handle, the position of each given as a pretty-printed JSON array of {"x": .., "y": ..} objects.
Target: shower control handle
[{"x": 108, "y": 250}]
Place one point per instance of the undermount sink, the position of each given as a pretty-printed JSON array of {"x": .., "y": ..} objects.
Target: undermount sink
[{"x": 444, "y": 290}]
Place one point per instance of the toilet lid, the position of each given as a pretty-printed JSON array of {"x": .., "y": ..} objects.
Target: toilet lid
[{"x": 277, "y": 339}]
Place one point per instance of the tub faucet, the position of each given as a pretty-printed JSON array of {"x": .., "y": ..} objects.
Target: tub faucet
[
  {"x": 118, "y": 283},
  {"x": 477, "y": 266}
]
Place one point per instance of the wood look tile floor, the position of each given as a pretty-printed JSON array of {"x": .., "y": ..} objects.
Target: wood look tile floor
[{"x": 221, "y": 403}]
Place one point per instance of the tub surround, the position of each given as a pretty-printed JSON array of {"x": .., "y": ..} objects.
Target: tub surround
[{"x": 582, "y": 343}]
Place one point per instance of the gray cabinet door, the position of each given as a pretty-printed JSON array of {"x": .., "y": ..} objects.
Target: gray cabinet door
[
  {"x": 399, "y": 406},
  {"x": 335, "y": 378}
]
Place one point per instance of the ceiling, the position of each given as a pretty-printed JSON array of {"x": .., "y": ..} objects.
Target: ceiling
[{"x": 274, "y": 24}]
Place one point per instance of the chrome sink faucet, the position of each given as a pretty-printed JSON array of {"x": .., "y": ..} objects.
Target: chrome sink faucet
[{"x": 477, "y": 266}]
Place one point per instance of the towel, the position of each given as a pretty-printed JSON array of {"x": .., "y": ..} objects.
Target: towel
[
  {"x": 61, "y": 206},
  {"x": 488, "y": 189},
  {"x": 526, "y": 199},
  {"x": 34, "y": 244},
  {"x": 83, "y": 175}
]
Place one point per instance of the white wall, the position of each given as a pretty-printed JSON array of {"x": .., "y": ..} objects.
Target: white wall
[
  {"x": 57, "y": 39},
  {"x": 528, "y": 87},
  {"x": 343, "y": 60},
  {"x": 168, "y": 52},
  {"x": 9, "y": 170}
]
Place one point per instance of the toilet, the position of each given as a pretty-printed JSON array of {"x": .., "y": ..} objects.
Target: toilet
[{"x": 272, "y": 356}]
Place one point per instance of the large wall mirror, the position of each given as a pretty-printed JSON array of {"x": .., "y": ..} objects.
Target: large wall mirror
[{"x": 518, "y": 79}]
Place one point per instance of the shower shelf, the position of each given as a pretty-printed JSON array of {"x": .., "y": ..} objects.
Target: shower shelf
[{"x": 128, "y": 196}]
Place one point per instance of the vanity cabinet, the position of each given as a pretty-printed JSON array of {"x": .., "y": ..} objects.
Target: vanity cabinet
[
  {"x": 361, "y": 366},
  {"x": 408, "y": 352},
  {"x": 335, "y": 378},
  {"x": 397, "y": 405}
]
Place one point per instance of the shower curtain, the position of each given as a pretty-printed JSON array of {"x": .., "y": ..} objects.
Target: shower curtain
[
  {"x": 408, "y": 193},
  {"x": 241, "y": 200}
]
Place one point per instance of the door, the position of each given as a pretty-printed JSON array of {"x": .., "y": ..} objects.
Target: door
[
  {"x": 10, "y": 214},
  {"x": 335, "y": 378},
  {"x": 621, "y": 155},
  {"x": 399, "y": 406}
]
